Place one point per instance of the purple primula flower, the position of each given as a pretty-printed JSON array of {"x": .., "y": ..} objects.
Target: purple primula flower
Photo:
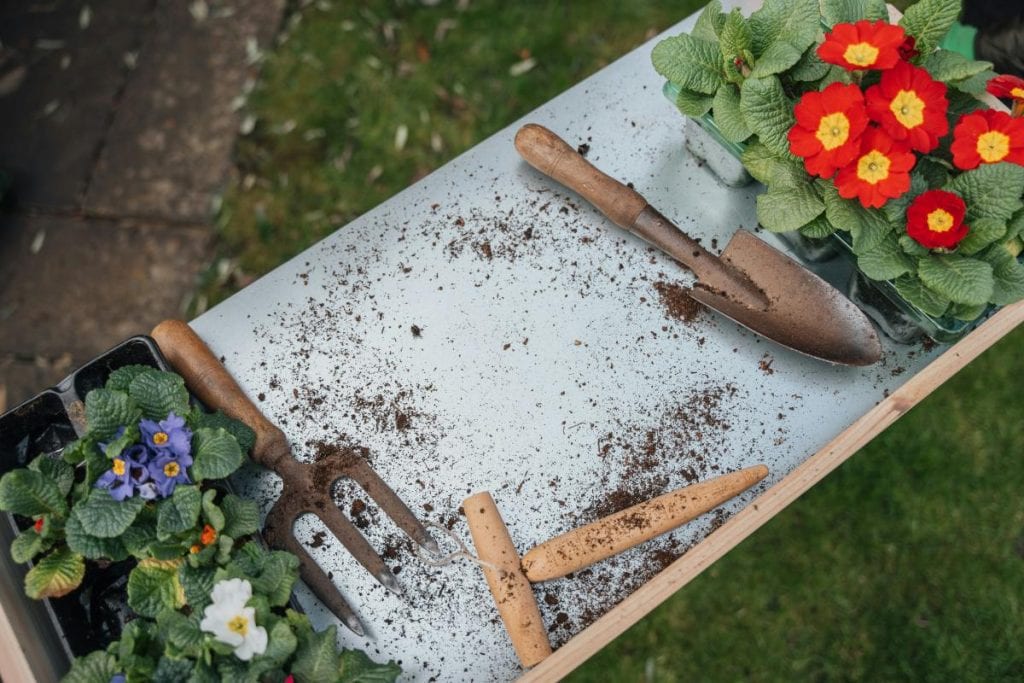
[
  {"x": 127, "y": 472},
  {"x": 118, "y": 678},
  {"x": 167, "y": 436},
  {"x": 168, "y": 471}
]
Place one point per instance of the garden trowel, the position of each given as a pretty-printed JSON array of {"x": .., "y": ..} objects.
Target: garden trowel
[{"x": 752, "y": 283}]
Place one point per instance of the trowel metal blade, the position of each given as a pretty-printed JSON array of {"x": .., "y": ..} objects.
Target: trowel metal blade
[{"x": 804, "y": 313}]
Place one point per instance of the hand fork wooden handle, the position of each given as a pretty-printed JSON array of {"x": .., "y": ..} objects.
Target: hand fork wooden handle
[{"x": 306, "y": 486}]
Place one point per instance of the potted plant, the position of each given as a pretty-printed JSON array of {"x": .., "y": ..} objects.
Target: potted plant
[
  {"x": 144, "y": 490},
  {"x": 866, "y": 134}
]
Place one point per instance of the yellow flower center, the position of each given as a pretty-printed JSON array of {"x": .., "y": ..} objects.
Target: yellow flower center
[
  {"x": 940, "y": 220},
  {"x": 118, "y": 467},
  {"x": 160, "y": 438},
  {"x": 833, "y": 130},
  {"x": 908, "y": 108},
  {"x": 873, "y": 167},
  {"x": 171, "y": 469},
  {"x": 993, "y": 146},
  {"x": 239, "y": 625},
  {"x": 1017, "y": 93},
  {"x": 861, "y": 54}
]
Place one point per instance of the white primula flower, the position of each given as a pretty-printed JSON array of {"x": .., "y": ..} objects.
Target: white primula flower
[{"x": 231, "y": 622}]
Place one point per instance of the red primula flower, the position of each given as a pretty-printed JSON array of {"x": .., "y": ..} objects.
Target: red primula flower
[
  {"x": 864, "y": 45},
  {"x": 208, "y": 536},
  {"x": 38, "y": 526},
  {"x": 828, "y": 128},
  {"x": 880, "y": 172},
  {"x": 987, "y": 137},
  {"x": 910, "y": 105},
  {"x": 935, "y": 219},
  {"x": 1009, "y": 88},
  {"x": 908, "y": 49}
]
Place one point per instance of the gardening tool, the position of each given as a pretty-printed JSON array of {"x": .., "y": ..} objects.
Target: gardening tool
[
  {"x": 307, "y": 487},
  {"x": 509, "y": 577},
  {"x": 752, "y": 283}
]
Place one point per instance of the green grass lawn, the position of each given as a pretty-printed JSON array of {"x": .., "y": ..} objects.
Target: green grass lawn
[{"x": 907, "y": 563}]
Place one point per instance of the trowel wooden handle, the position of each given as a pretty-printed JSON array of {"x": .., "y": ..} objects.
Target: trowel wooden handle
[
  {"x": 208, "y": 379},
  {"x": 553, "y": 157},
  {"x": 512, "y": 592},
  {"x": 615, "y": 533}
]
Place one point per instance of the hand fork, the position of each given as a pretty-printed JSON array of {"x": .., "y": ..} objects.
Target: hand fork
[{"x": 307, "y": 487}]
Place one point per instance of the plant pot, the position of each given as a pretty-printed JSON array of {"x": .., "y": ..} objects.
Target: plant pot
[{"x": 91, "y": 616}]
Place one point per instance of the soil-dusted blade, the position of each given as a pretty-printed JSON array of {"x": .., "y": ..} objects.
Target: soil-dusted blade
[
  {"x": 307, "y": 486},
  {"x": 751, "y": 283}
]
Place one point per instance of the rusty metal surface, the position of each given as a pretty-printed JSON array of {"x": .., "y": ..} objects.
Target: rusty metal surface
[{"x": 483, "y": 330}]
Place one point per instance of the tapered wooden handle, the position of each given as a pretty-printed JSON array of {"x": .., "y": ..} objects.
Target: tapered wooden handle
[
  {"x": 615, "y": 533},
  {"x": 512, "y": 592},
  {"x": 208, "y": 379},
  {"x": 553, "y": 157}
]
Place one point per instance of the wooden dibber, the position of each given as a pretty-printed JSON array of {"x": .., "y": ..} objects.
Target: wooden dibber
[
  {"x": 615, "y": 533},
  {"x": 512, "y": 592}
]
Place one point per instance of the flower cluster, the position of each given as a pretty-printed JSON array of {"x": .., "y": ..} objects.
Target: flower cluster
[
  {"x": 151, "y": 469},
  {"x": 232, "y": 622},
  {"x": 866, "y": 139}
]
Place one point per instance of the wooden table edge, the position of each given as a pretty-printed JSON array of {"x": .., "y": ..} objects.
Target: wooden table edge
[{"x": 628, "y": 612}]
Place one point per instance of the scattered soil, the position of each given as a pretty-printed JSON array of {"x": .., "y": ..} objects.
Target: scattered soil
[{"x": 677, "y": 301}]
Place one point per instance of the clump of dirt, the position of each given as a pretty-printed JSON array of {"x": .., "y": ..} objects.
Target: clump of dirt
[{"x": 678, "y": 303}]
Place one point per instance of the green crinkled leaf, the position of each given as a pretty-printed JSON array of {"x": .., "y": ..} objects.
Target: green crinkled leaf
[
  {"x": 55, "y": 575},
  {"x": 181, "y": 631},
  {"x": 885, "y": 260},
  {"x": 869, "y": 234},
  {"x": 225, "y": 544},
  {"x": 690, "y": 63},
  {"x": 212, "y": 513},
  {"x": 849, "y": 215},
  {"x": 315, "y": 657},
  {"x": 848, "y": 11},
  {"x": 759, "y": 161},
  {"x": 983, "y": 232},
  {"x": 810, "y": 67},
  {"x": 734, "y": 38},
  {"x": 819, "y": 228},
  {"x": 55, "y": 469},
  {"x": 835, "y": 74},
  {"x": 895, "y": 210},
  {"x": 281, "y": 643},
  {"x": 241, "y": 516},
  {"x": 974, "y": 85},
  {"x": 27, "y": 545},
  {"x": 946, "y": 65},
  {"x": 129, "y": 437},
  {"x": 95, "y": 667},
  {"x": 915, "y": 292},
  {"x": 910, "y": 246},
  {"x": 121, "y": 378},
  {"x": 170, "y": 670},
  {"x": 29, "y": 493},
  {"x": 768, "y": 112},
  {"x": 242, "y": 433},
  {"x": 178, "y": 513},
  {"x": 779, "y": 56},
  {"x": 1008, "y": 274},
  {"x": 693, "y": 104},
  {"x": 934, "y": 172},
  {"x": 105, "y": 517},
  {"x": 76, "y": 451},
  {"x": 153, "y": 588},
  {"x": 92, "y": 547},
  {"x": 106, "y": 411},
  {"x": 216, "y": 454},
  {"x": 990, "y": 191},
  {"x": 960, "y": 279},
  {"x": 277, "y": 578},
  {"x": 198, "y": 584},
  {"x": 928, "y": 21},
  {"x": 710, "y": 22},
  {"x": 356, "y": 666},
  {"x": 968, "y": 313},
  {"x": 782, "y": 209},
  {"x": 727, "y": 114},
  {"x": 1015, "y": 226},
  {"x": 138, "y": 538},
  {"x": 796, "y": 22},
  {"x": 159, "y": 393}
]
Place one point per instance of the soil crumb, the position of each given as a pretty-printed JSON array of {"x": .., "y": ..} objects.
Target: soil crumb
[{"x": 677, "y": 301}]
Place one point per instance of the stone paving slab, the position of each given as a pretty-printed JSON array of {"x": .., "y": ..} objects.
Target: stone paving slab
[
  {"x": 168, "y": 151},
  {"x": 62, "y": 72},
  {"x": 78, "y": 286}
]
